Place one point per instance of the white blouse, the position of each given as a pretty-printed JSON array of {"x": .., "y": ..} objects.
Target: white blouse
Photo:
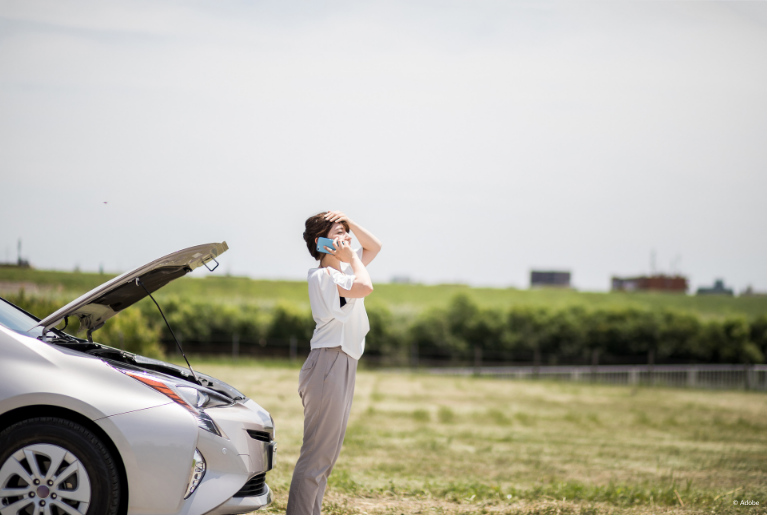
[{"x": 345, "y": 326}]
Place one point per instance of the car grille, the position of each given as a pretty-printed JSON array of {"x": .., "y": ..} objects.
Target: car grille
[
  {"x": 255, "y": 486},
  {"x": 263, "y": 436}
]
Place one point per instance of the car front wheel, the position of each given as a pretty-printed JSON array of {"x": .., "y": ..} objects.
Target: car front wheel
[{"x": 53, "y": 466}]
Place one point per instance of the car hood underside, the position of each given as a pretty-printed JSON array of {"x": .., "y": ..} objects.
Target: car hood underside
[{"x": 102, "y": 303}]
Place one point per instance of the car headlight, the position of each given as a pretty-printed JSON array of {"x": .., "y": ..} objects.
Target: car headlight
[
  {"x": 196, "y": 474},
  {"x": 200, "y": 399},
  {"x": 180, "y": 397}
]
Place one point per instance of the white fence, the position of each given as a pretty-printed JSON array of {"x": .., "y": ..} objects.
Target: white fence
[{"x": 732, "y": 377}]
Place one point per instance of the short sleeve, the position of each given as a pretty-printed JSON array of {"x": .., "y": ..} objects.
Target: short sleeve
[{"x": 324, "y": 297}]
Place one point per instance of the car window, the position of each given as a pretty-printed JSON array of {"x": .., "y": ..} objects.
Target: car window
[{"x": 16, "y": 320}]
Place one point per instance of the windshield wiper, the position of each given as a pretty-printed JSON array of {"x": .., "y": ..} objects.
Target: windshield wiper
[{"x": 178, "y": 344}]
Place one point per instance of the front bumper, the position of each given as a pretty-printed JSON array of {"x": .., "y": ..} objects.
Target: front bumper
[
  {"x": 235, "y": 462},
  {"x": 244, "y": 504}
]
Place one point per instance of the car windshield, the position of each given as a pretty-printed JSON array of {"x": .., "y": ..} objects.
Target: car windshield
[{"x": 16, "y": 320}]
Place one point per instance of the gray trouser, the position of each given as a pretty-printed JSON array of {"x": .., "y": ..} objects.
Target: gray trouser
[{"x": 326, "y": 387}]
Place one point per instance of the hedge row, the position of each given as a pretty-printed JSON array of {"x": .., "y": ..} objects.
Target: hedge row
[
  {"x": 455, "y": 332},
  {"x": 574, "y": 332}
]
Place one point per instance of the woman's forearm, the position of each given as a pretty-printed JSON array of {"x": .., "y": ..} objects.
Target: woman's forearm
[
  {"x": 361, "y": 273},
  {"x": 371, "y": 245},
  {"x": 363, "y": 285},
  {"x": 365, "y": 237}
]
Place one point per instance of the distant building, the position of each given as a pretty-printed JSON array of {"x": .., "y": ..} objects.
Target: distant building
[
  {"x": 401, "y": 279},
  {"x": 549, "y": 279},
  {"x": 659, "y": 282},
  {"x": 717, "y": 289}
]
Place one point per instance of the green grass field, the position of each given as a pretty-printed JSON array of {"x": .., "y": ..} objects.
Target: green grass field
[
  {"x": 424, "y": 444},
  {"x": 410, "y": 298}
]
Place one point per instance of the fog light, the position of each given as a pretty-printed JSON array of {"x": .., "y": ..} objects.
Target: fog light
[{"x": 196, "y": 474}]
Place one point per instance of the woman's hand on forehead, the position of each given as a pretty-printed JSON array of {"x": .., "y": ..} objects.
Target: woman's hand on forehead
[{"x": 336, "y": 216}]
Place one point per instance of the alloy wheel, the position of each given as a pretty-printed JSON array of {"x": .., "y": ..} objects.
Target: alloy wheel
[{"x": 44, "y": 479}]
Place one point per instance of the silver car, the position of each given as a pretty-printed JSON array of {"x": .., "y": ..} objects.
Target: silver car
[{"x": 89, "y": 429}]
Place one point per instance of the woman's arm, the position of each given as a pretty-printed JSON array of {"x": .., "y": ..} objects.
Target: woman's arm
[
  {"x": 362, "y": 286},
  {"x": 371, "y": 245}
]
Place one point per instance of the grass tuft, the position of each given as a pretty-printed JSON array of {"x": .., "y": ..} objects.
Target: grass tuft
[
  {"x": 498, "y": 417},
  {"x": 421, "y": 415},
  {"x": 445, "y": 415}
]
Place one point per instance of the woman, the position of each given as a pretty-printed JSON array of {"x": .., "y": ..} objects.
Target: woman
[{"x": 326, "y": 383}]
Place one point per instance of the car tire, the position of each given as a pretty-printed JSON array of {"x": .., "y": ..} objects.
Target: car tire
[{"x": 71, "y": 466}]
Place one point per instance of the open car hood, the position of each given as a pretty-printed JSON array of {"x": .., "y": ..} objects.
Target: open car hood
[{"x": 102, "y": 303}]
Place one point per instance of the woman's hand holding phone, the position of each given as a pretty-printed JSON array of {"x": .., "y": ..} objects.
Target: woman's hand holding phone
[{"x": 343, "y": 251}]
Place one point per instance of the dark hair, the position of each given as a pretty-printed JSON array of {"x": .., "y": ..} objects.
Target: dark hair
[{"x": 317, "y": 226}]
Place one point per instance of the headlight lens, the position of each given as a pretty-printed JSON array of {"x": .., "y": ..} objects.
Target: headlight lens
[
  {"x": 182, "y": 397},
  {"x": 193, "y": 396},
  {"x": 200, "y": 399},
  {"x": 196, "y": 474}
]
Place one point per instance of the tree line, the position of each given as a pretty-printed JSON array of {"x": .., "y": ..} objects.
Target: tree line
[{"x": 459, "y": 332}]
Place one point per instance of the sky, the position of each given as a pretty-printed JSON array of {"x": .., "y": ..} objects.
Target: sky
[{"x": 478, "y": 139}]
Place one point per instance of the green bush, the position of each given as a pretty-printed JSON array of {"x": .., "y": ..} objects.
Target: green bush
[
  {"x": 288, "y": 321},
  {"x": 759, "y": 333},
  {"x": 729, "y": 341},
  {"x": 526, "y": 329},
  {"x": 431, "y": 333},
  {"x": 130, "y": 331},
  {"x": 200, "y": 322},
  {"x": 474, "y": 327}
]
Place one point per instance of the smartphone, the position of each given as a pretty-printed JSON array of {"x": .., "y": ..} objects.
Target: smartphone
[{"x": 324, "y": 242}]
